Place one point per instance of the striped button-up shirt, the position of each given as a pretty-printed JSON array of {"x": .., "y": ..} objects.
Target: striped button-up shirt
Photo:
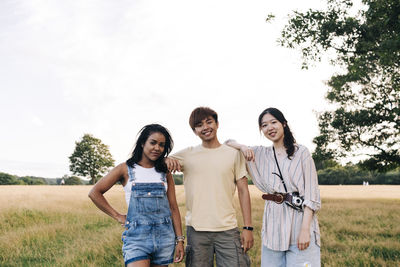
[{"x": 282, "y": 223}]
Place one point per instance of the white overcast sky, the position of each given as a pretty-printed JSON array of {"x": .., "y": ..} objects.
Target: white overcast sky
[{"x": 109, "y": 67}]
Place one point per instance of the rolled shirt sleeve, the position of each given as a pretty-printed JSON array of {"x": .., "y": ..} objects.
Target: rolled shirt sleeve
[
  {"x": 311, "y": 190},
  {"x": 240, "y": 166}
]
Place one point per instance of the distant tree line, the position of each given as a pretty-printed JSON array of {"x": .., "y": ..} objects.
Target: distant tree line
[
  {"x": 330, "y": 172},
  {"x": 331, "y": 175},
  {"x": 356, "y": 175},
  {"x": 9, "y": 179}
]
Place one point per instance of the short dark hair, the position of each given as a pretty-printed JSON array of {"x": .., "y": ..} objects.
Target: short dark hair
[
  {"x": 144, "y": 134},
  {"x": 288, "y": 139},
  {"x": 201, "y": 113}
]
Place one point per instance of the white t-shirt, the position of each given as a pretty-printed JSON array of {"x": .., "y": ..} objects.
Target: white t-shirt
[{"x": 142, "y": 175}]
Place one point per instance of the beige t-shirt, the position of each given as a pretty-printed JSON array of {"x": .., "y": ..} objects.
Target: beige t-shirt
[{"x": 210, "y": 177}]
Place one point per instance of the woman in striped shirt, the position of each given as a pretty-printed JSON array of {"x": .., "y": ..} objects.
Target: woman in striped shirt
[{"x": 286, "y": 172}]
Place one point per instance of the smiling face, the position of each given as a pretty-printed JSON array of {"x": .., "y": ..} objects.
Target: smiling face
[
  {"x": 154, "y": 146},
  {"x": 206, "y": 129},
  {"x": 272, "y": 128}
]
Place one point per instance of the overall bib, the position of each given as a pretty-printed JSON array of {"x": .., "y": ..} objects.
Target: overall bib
[{"x": 149, "y": 232}]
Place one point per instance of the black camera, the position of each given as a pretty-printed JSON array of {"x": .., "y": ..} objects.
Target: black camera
[{"x": 295, "y": 201}]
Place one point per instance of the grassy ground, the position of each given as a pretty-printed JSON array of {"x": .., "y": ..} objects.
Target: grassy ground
[{"x": 59, "y": 226}]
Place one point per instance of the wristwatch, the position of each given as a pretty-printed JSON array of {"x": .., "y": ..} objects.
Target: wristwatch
[{"x": 250, "y": 228}]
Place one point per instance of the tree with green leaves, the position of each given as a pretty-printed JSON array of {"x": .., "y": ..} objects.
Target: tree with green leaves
[
  {"x": 8, "y": 179},
  {"x": 91, "y": 158},
  {"x": 73, "y": 180},
  {"x": 32, "y": 180},
  {"x": 365, "y": 42}
]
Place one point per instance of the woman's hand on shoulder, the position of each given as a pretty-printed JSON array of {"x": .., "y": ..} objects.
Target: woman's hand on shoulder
[
  {"x": 248, "y": 153},
  {"x": 179, "y": 252}
]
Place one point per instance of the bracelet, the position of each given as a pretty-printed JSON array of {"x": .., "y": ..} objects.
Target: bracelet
[
  {"x": 250, "y": 228},
  {"x": 179, "y": 238}
]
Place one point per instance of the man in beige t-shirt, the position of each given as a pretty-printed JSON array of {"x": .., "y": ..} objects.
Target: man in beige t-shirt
[{"x": 212, "y": 171}]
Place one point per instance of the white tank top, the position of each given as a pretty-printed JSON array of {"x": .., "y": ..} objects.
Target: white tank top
[{"x": 142, "y": 175}]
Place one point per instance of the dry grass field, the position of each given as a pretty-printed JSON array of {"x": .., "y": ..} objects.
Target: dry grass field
[{"x": 59, "y": 226}]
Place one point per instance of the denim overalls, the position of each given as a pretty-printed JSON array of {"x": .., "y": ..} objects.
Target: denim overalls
[{"x": 149, "y": 232}]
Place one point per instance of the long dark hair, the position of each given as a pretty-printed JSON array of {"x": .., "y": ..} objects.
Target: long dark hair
[
  {"x": 144, "y": 134},
  {"x": 288, "y": 139}
]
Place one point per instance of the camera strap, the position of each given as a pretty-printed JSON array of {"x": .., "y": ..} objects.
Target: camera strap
[{"x": 280, "y": 173}]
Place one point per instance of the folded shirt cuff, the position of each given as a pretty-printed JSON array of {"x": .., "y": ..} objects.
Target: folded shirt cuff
[{"x": 314, "y": 205}]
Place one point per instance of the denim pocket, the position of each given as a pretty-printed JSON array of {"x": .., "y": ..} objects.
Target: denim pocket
[
  {"x": 123, "y": 236},
  {"x": 166, "y": 233},
  {"x": 148, "y": 201},
  {"x": 130, "y": 227},
  {"x": 130, "y": 230}
]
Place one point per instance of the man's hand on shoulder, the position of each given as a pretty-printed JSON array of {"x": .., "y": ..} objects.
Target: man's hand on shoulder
[{"x": 173, "y": 165}]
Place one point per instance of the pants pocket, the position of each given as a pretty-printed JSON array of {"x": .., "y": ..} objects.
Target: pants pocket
[
  {"x": 188, "y": 256},
  {"x": 243, "y": 258}
]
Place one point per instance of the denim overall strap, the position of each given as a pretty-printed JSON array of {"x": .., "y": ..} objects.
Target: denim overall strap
[
  {"x": 163, "y": 177},
  {"x": 131, "y": 174}
]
